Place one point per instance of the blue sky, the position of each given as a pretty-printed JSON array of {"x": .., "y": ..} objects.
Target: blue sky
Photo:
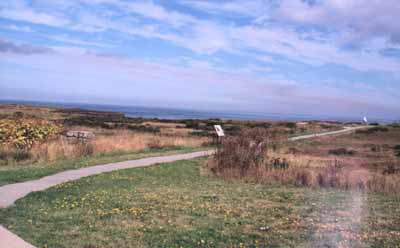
[{"x": 332, "y": 57}]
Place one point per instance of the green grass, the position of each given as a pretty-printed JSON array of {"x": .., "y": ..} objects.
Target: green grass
[
  {"x": 179, "y": 205},
  {"x": 15, "y": 173}
]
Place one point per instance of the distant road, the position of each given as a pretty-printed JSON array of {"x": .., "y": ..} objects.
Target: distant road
[{"x": 343, "y": 131}]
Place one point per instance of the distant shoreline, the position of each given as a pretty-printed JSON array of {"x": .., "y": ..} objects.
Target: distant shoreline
[{"x": 179, "y": 114}]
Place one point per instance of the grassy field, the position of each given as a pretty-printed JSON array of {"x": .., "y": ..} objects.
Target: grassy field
[
  {"x": 260, "y": 191},
  {"x": 181, "y": 205},
  {"x": 14, "y": 174}
]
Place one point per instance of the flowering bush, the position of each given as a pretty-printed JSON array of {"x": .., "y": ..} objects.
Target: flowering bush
[{"x": 23, "y": 133}]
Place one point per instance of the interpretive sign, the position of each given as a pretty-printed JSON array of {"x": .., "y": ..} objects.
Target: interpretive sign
[{"x": 219, "y": 130}]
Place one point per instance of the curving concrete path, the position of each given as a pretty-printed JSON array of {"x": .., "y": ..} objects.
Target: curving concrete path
[
  {"x": 10, "y": 240},
  {"x": 12, "y": 192}
]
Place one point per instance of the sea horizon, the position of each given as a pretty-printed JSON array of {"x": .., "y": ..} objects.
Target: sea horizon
[{"x": 182, "y": 113}]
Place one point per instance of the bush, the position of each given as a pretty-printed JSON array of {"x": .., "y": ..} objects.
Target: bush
[
  {"x": 391, "y": 169},
  {"x": 258, "y": 125},
  {"x": 3, "y": 154},
  {"x": 244, "y": 151},
  {"x": 329, "y": 176},
  {"x": 278, "y": 163},
  {"x": 22, "y": 134},
  {"x": 84, "y": 149},
  {"x": 193, "y": 124},
  {"x": 341, "y": 151},
  {"x": 201, "y": 133},
  {"x": 396, "y": 149},
  {"x": 144, "y": 129},
  {"x": 21, "y": 155},
  {"x": 372, "y": 130},
  {"x": 155, "y": 144},
  {"x": 232, "y": 130}
]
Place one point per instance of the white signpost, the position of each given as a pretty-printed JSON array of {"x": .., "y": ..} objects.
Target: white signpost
[
  {"x": 219, "y": 130},
  {"x": 218, "y": 140}
]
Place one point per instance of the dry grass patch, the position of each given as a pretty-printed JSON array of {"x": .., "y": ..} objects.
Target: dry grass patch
[{"x": 336, "y": 162}]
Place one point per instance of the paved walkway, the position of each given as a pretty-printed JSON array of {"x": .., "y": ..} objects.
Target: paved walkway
[
  {"x": 12, "y": 192},
  {"x": 10, "y": 240},
  {"x": 342, "y": 131}
]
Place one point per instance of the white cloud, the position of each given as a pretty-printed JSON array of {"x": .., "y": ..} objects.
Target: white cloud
[
  {"x": 21, "y": 12},
  {"x": 157, "y": 12},
  {"x": 76, "y": 41},
  {"x": 26, "y": 29},
  {"x": 365, "y": 18},
  {"x": 206, "y": 37},
  {"x": 248, "y": 8}
]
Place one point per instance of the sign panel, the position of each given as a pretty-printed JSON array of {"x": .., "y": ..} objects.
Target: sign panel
[{"x": 219, "y": 130}]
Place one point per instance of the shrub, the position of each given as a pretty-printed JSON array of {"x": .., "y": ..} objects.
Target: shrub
[
  {"x": 397, "y": 150},
  {"x": 293, "y": 150},
  {"x": 244, "y": 151},
  {"x": 194, "y": 124},
  {"x": 259, "y": 125},
  {"x": 291, "y": 125},
  {"x": 201, "y": 133},
  {"x": 84, "y": 149},
  {"x": 329, "y": 176},
  {"x": 144, "y": 129},
  {"x": 232, "y": 130},
  {"x": 391, "y": 169},
  {"x": 21, "y": 154},
  {"x": 155, "y": 144},
  {"x": 278, "y": 163},
  {"x": 341, "y": 151},
  {"x": 372, "y": 130},
  {"x": 24, "y": 133}
]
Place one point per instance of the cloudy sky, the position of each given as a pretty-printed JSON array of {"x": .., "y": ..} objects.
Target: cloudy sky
[{"x": 331, "y": 57}]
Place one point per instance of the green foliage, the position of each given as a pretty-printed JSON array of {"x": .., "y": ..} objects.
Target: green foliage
[
  {"x": 173, "y": 205},
  {"x": 372, "y": 130},
  {"x": 144, "y": 128},
  {"x": 341, "y": 151},
  {"x": 41, "y": 169},
  {"x": 397, "y": 150},
  {"x": 201, "y": 133},
  {"x": 192, "y": 124}
]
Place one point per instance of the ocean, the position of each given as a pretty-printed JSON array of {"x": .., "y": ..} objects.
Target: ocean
[{"x": 174, "y": 113}]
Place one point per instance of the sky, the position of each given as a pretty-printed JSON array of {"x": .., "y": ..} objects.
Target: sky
[{"x": 320, "y": 57}]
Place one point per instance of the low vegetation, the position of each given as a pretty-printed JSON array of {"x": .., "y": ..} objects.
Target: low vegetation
[
  {"x": 259, "y": 190},
  {"x": 29, "y": 139},
  {"x": 323, "y": 162},
  {"x": 180, "y": 205},
  {"x": 24, "y": 133},
  {"x": 33, "y": 141},
  {"x": 13, "y": 174}
]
